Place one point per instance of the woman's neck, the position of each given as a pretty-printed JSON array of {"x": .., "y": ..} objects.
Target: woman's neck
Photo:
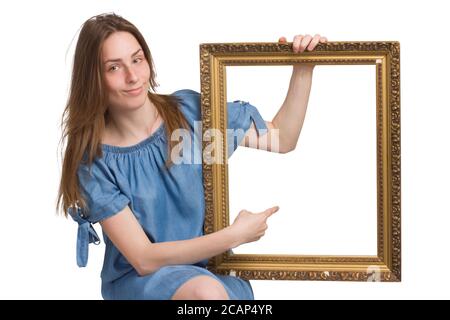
[{"x": 131, "y": 127}]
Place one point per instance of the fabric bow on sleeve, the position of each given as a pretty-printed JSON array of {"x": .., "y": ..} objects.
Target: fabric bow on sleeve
[
  {"x": 260, "y": 124},
  {"x": 241, "y": 114},
  {"x": 86, "y": 235}
]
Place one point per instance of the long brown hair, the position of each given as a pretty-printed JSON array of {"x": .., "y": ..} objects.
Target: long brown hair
[{"x": 83, "y": 119}]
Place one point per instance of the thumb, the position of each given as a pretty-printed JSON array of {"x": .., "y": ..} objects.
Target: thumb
[{"x": 282, "y": 39}]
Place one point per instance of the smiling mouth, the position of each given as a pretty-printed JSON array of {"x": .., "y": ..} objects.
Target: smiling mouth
[{"x": 134, "y": 91}]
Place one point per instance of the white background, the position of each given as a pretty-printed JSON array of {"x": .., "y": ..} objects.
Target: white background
[
  {"x": 38, "y": 248},
  {"x": 326, "y": 188}
]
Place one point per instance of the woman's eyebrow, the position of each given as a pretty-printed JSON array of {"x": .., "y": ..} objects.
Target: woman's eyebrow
[{"x": 115, "y": 60}]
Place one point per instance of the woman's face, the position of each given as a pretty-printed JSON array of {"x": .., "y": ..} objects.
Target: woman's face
[{"x": 126, "y": 71}]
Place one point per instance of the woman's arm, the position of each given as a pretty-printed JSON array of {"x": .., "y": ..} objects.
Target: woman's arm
[
  {"x": 146, "y": 257},
  {"x": 284, "y": 129},
  {"x": 289, "y": 119}
]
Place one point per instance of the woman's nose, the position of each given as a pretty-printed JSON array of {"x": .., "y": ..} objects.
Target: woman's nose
[{"x": 131, "y": 75}]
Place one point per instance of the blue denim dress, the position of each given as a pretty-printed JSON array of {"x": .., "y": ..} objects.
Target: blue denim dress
[{"x": 169, "y": 204}]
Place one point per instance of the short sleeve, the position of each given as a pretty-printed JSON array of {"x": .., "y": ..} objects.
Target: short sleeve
[
  {"x": 99, "y": 188},
  {"x": 240, "y": 115},
  {"x": 103, "y": 199}
]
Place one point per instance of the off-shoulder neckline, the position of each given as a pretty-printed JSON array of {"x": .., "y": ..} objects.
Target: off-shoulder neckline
[{"x": 150, "y": 139}]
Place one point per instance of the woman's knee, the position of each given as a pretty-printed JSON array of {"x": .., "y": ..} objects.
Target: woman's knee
[{"x": 201, "y": 288}]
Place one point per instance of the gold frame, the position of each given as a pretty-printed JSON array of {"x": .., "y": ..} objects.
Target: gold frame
[{"x": 386, "y": 265}]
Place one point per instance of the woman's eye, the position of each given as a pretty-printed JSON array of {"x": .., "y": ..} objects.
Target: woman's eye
[{"x": 115, "y": 67}]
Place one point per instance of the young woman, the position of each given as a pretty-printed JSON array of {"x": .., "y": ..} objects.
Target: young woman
[{"x": 118, "y": 170}]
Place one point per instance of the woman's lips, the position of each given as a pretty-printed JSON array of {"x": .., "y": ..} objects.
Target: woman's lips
[{"x": 134, "y": 92}]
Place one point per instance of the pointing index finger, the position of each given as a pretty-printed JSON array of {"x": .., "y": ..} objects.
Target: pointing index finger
[{"x": 272, "y": 210}]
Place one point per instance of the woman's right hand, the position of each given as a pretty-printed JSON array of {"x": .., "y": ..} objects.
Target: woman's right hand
[{"x": 249, "y": 227}]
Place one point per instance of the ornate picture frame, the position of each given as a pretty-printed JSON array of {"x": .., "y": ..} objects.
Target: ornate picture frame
[{"x": 386, "y": 265}]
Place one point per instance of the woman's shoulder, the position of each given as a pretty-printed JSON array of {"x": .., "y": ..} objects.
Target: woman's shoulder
[
  {"x": 186, "y": 92},
  {"x": 189, "y": 104},
  {"x": 98, "y": 165}
]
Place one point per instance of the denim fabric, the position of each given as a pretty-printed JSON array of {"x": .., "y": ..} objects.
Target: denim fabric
[
  {"x": 162, "y": 284},
  {"x": 169, "y": 205}
]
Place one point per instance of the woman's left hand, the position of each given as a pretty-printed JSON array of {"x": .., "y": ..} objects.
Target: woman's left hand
[{"x": 302, "y": 43}]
